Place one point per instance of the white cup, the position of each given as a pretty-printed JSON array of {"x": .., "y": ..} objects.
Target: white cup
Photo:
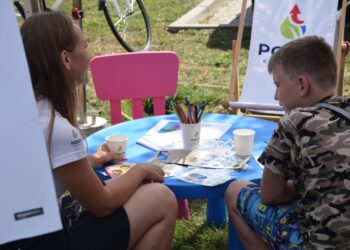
[
  {"x": 243, "y": 141},
  {"x": 117, "y": 144},
  {"x": 191, "y": 134}
]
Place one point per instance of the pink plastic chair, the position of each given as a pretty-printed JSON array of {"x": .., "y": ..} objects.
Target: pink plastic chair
[{"x": 135, "y": 76}]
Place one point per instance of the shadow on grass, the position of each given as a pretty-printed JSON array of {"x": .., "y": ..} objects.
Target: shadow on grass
[
  {"x": 347, "y": 33},
  {"x": 191, "y": 238},
  {"x": 222, "y": 38},
  {"x": 196, "y": 234}
]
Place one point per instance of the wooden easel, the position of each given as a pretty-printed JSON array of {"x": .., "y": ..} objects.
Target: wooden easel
[
  {"x": 236, "y": 49},
  {"x": 341, "y": 50}
]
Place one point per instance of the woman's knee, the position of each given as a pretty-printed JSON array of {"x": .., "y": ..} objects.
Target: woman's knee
[
  {"x": 166, "y": 196},
  {"x": 157, "y": 194}
]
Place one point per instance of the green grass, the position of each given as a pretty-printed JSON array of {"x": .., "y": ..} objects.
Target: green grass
[
  {"x": 195, "y": 234},
  {"x": 205, "y": 59}
]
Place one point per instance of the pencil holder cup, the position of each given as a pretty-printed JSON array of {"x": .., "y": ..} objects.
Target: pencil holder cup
[{"x": 191, "y": 134}]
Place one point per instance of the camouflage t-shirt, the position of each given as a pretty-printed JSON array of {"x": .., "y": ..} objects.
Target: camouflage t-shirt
[{"x": 312, "y": 147}]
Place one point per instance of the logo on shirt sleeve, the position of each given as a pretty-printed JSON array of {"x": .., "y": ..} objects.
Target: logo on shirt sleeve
[{"x": 76, "y": 139}]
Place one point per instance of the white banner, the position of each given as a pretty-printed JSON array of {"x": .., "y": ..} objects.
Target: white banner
[
  {"x": 28, "y": 204},
  {"x": 275, "y": 23}
]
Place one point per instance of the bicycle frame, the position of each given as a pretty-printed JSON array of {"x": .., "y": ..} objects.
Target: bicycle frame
[
  {"x": 28, "y": 10},
  {"x": 127, "y": 19},
  {"x": 56, "y": 6},
  {"x": 117, "y": 9}
]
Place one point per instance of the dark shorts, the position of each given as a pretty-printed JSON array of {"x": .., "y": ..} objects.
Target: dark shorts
[
  {"x": 276, "y": 225},
  {"x": 89, "y": 232}
]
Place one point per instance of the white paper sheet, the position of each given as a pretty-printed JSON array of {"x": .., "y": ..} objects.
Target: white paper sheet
[
  {"x": 166, "y": 134},
  {"x": 27, "y": 195}
]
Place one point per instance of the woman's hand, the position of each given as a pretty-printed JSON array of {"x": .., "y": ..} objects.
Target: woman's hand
[
  {"x": 151, "y": 172},
  {"x": 103, "y": 155}
]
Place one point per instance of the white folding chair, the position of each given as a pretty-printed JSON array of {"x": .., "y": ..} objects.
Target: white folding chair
[{"x": 275, "y": 23}]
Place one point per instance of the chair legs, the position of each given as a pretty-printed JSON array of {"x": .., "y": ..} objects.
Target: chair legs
[{"x": 183, "y": 210}]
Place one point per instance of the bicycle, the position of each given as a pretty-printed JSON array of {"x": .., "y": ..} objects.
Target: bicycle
[{"x": 127, "y": 19}]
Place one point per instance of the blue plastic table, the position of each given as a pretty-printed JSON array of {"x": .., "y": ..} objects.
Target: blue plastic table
[{"x": 216, "y": 209}]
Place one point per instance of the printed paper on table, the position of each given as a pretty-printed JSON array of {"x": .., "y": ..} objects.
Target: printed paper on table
[
  {"x": 166, "y": 135},
  {"x": 217, "y": 154},
  {"x": 207, "y": 177},
  {"x": 117, "y": 170}
]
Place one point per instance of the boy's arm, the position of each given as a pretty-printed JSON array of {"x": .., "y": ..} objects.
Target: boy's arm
[{"x": 275, "y": 189}]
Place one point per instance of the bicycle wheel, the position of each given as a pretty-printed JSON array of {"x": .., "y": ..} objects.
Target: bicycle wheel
[{"x": 129, "y": 24}]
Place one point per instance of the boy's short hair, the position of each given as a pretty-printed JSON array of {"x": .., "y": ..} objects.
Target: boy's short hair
[{"x": 310, "y": 55}]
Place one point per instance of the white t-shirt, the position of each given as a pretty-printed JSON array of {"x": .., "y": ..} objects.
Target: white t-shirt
[{"x": 67, "y": 145}]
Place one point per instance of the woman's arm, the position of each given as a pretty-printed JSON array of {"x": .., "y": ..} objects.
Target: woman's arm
[
  {"x": 275, "y": 189},
  {"x": 81, "y": 181}
]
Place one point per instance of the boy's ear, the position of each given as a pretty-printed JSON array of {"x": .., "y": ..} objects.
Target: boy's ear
[
  {"x": 304, "y": 85},
  {"x": 65, "y": 57}
]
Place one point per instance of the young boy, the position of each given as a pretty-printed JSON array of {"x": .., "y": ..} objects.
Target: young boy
[{"x": 304, "y": 198}]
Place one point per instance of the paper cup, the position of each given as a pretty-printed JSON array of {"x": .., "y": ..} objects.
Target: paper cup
[
  {"x": 244, "y": 141},
  {"x": 117, "y": 144},
  {"x": 191, "y": 134}
]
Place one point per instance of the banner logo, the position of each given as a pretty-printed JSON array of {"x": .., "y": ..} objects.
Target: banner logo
[{"x": 292, "y": 27}]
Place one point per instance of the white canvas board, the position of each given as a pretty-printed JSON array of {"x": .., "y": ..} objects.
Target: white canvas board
[
  {"x": 301, "y": 18},
  {"x": 27, "y": 195}
]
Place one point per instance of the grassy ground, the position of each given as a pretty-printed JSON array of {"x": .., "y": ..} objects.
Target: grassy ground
[
  {"x": 195, "y": 234},
  {"x": 206, "y": 59}
]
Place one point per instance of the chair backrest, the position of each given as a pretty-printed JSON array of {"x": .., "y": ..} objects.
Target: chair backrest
[
  {"x": 135, "y": 76},
  {"x": 275, "y": 23}
]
